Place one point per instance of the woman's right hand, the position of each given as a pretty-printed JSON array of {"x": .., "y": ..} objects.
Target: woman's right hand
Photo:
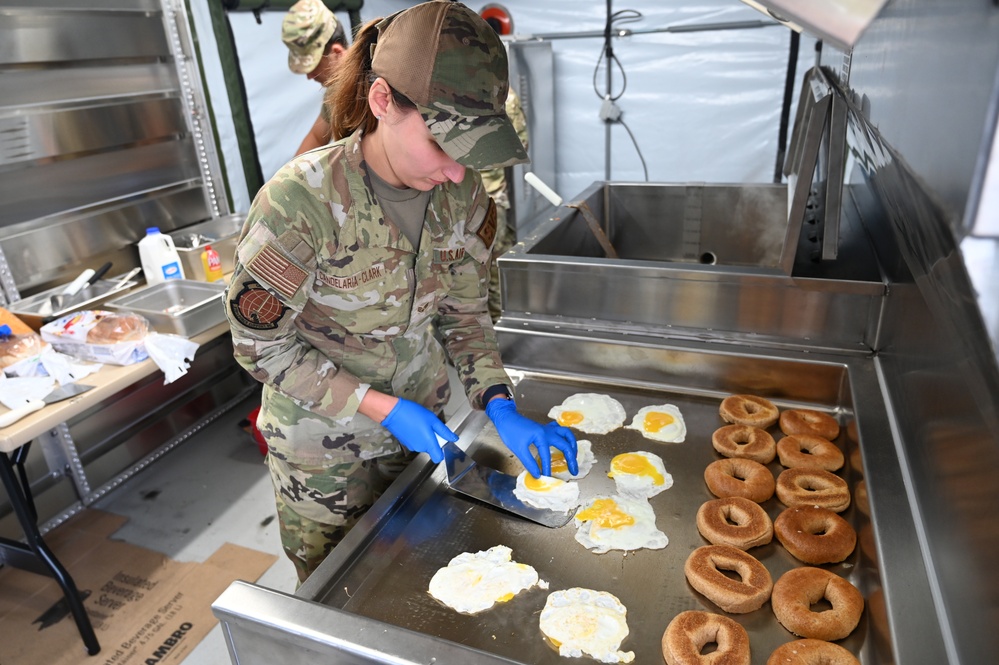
[{"x": 417, "y": 428}]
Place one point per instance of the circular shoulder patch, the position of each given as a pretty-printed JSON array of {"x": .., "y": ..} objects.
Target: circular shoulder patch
[{"x": 256, "y": 307}]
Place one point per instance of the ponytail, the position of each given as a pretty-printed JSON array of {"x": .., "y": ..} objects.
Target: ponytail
[{"x": 347, "y": 96}]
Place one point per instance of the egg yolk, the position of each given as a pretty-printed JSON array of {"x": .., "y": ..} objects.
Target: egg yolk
[
  {"x": 656, "y": 420},
  {"x": 542, "y": 484},
  {"x": 559, "y": 465},
  {"x": 504, "y": 598},
  {"x": 635, "y": 465},
  {"x": 570, "y": 418},
  {"x": 605, "y": 513}
]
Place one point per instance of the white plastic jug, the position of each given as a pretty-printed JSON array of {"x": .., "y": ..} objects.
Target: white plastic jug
[{"x": 159, "y": 258}]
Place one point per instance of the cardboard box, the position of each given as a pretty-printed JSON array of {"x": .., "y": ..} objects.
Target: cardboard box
[{"x": 145, "y": 607}]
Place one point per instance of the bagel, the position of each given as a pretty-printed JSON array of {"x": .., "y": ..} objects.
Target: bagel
[
  {"x": 734, "y": 521},
  {"x": 812, "y": 487},
  {"x": 688, "y": 633},
  {"x": 811, "y": 652},
  {"x": 857, "y": 460},
  {"x": 877, "y": 615},
  {"x": 815, "y": 535},
  {"x": 868, "y": 547},
  {"x": 809, "y": 421},
  {"x": 703, "y": 570},
  {"x": 744, "y": 441},
  {"x": 748, "y": 410},
  {"x": 800, "y": 588},
  {"x": 860, "y": 497},
  {"x": 735, "y": 476},
  {"x": 806, "y": 451}
]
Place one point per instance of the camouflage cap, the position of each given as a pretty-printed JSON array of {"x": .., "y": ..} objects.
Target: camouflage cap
[
  {"x": 447, "y": 60},
  {"x": 306, "y": 29}
]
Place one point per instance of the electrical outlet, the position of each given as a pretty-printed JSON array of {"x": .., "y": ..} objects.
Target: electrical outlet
[{"x": 609, "y": 111}]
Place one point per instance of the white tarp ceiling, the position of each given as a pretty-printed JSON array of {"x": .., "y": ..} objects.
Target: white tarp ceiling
[{"x": 703, "y": 106}]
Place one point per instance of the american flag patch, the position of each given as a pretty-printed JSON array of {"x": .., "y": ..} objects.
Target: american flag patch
[{"x": 273, "y": 267}]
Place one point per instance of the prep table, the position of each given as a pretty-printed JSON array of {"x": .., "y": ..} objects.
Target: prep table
[{"x": 15, "y": 441}]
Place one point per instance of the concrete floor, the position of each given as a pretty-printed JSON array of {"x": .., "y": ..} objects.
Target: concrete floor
[{"x": 212, "y": 489}]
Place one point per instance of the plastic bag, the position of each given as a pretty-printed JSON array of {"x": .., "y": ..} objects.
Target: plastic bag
[
  {"x": 171, "y": 353},
  {"x": 117, "y": 339}
]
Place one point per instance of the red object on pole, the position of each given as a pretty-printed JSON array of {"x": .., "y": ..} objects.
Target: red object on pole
[{"x": 501, "y": 21}]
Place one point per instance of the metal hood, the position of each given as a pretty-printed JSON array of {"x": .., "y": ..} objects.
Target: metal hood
[{"x": 839, "y": 22}]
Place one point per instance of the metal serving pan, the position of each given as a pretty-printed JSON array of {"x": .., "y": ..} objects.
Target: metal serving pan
[
  {"x": 368, "y": 603},
  {"x": 179, "y": 306},
  {"x": 220, "y": 232},
  {"x": 50, "y": 304}
]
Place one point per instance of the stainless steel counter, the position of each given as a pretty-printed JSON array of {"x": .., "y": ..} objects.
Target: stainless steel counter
[{"x": 368, "y": 603}]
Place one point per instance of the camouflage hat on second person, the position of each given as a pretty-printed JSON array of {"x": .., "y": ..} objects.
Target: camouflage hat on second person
[
  {"x": 448, "y": 61},
  {"x": 306, "y": 29}
]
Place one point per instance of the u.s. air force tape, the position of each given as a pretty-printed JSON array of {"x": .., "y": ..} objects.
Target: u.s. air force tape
[{"x": 487, "y": 232}]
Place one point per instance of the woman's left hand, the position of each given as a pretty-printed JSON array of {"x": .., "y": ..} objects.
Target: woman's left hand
[
  {"x": 418, "y": 429},
  {"x": 519, "y": 433}
]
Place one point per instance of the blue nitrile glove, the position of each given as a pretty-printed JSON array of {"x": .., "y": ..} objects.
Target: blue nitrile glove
[
  {"x": 519, "y": 433},
  {"x": 415, "y": 427}
]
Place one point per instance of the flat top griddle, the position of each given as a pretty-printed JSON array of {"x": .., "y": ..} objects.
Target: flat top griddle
[{"x": 388, "y": 580}]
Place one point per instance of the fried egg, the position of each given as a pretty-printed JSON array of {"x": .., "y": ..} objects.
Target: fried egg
[
  {"x": 607, "y": 523},
  {"x": 582, "y": 621},
  {"x": 662, "y": 422},
  {"x": 592, "y": 413},
  {"x": 472, "y": 583},
  {"x": 584, "y": 461},
  {"x": 547, "y": 492},
  {"x": 639, "y": 475}
]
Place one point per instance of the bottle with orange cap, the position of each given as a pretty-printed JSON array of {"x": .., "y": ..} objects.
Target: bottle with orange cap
[{"x": 212, "y": 263}]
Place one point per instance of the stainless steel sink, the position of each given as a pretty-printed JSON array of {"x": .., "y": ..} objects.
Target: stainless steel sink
[
  {"x": 734, "y": 225},
  {"x": 694, "y": 261}
]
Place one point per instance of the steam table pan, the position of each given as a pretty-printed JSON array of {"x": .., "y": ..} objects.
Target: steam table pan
[
  {"x": 51, "y": 304},
  {"x": 178, "y": 306}
]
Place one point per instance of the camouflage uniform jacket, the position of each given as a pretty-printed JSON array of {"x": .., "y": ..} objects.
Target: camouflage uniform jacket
[{"x": 328, "y": 298}]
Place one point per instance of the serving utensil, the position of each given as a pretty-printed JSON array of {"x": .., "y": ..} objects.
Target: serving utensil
[
  {"x": 123, "y": 280},
  {"x": 468, "y": 477},
  {"x": 58, "y": 304}
]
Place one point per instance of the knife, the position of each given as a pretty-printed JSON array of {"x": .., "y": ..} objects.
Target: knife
[
  {"x": 32, "y": 405},
  {"x": 100, "y": 273},
  {"x": 74, "y": 287}
]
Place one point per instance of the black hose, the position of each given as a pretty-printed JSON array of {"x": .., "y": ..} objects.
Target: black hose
[{"x": 785, "y": 111}]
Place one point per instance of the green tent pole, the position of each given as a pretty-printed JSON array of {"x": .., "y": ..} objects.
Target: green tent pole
[{"x": 236, "y": 91}]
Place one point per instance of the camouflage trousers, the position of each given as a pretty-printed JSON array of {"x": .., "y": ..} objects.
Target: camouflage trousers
[
  {"x": 318, "y": 505},
  {"x": 505, "y": 239}
]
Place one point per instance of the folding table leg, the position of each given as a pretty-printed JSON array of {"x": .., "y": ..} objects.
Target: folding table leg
[{"x": 22, "y": 503}]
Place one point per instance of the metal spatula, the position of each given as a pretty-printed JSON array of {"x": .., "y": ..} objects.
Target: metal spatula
[{"x": 466, "y": 476}]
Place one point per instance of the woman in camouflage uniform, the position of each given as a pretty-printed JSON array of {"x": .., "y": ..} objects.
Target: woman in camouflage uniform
[{"x": 355, "y": 258}]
